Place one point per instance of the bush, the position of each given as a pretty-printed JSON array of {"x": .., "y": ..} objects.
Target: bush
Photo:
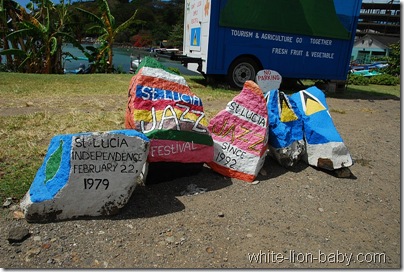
[
  {"x": 174, "y": 70},
  {"x": 357, "y": 80},
  {"x": 384, "y": 79},
  {"x": 394, "y": 60},
  {"x": 3, "y": 67},
  {"x": 119, "y": 70}
]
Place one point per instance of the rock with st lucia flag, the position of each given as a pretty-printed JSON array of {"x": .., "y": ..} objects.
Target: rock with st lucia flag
[
  {"x": 286, "y": 143},
  {"x": 86, "y": 174},
  {"x": 162, "y": 106},
  {"x": 240, "y": 135},
  {"x": 324, "y": 145}
]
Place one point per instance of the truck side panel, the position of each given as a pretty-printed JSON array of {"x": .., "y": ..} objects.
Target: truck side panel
[
  {"x": 298, "y": 38},
  {"x": 292, "y": 56}
]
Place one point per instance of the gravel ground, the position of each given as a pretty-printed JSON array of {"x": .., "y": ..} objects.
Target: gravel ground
[{"x": 293, "y": 218}]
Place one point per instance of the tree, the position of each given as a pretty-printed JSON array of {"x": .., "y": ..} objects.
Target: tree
[
  {"x": 9, "y": 11},
  {"x": 394, "y": 60},
  {"x": 31, "y": 38},
  {"x": 143, "y": 39},
  {"x": 176, "y": 35},
  {"x": 40, "y": 34},
  {"x": 105, "y": 26}
]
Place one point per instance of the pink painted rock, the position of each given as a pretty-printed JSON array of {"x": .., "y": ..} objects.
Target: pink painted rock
[{"x": 240, "y": 135}]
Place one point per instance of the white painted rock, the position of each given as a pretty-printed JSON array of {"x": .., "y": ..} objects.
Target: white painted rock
[
  {"x": 268, "y": 80},
  {"x": 324, "y": 145},
  {"x": 240, "y": 135},
  {"x": 86, "y": 174}
]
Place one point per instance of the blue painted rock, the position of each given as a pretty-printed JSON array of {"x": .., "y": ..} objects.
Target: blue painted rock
[
  {"x": 240, "y": 135},
  {"x": 324, "y": 145},
  {"x": 86, "y": 174},
  {"x": 286, "y": 141}
]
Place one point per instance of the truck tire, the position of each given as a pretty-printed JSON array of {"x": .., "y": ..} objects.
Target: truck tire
[{"x": 241, "y": 70}]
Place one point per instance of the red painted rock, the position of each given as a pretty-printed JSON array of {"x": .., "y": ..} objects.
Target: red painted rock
[
  {"x": 240, "y": 135},
  {"x": 162, "y": 106}
]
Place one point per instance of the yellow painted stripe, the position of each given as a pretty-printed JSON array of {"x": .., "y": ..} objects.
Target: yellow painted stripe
[{"x": 146, "y": 116}]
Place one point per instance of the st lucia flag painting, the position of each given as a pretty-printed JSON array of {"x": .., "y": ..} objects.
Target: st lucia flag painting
[
  {"x": 324, "y": 146},
  {"x": 195, "y": 39},
  {"x": 286, "y": 141}
]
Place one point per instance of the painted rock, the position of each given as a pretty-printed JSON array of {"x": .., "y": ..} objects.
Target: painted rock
[
  {"x": 268, "y": 80},
  {"x": 286, "y": 141},
  {"x": 161, "y": 106},
  {"x": 86, "y": 174},
  {"x": 240, "y": 135},
  {"x": 324, "y": 145}
]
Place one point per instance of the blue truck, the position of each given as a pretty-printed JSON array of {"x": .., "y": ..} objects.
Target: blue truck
[{"x": 300, "y": 39}]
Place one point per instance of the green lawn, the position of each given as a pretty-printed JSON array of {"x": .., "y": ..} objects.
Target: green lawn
[{"x": 34, "y": 108}]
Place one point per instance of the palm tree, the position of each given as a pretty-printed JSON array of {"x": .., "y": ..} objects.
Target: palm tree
[{"x": 105, "y": 26}]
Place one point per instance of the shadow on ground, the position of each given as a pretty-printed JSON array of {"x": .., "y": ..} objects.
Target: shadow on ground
[
  {"x": 274, "y": 169},
  {"x": 354, "y": 93},
  {"x": 161, "y": 198}
]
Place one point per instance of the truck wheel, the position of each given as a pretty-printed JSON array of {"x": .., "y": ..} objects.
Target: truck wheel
[{"x": 240, "y": 71}]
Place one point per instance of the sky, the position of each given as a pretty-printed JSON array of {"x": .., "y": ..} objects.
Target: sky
[{"x": 25, "y": 2}]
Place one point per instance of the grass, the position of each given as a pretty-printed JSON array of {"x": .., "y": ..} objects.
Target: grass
[
  {"x": 34, "y": 108},
  {"x": 373, "y": 91},
  {"x": 337, "y": 111},
  {"x": 370, "y": 91}
]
